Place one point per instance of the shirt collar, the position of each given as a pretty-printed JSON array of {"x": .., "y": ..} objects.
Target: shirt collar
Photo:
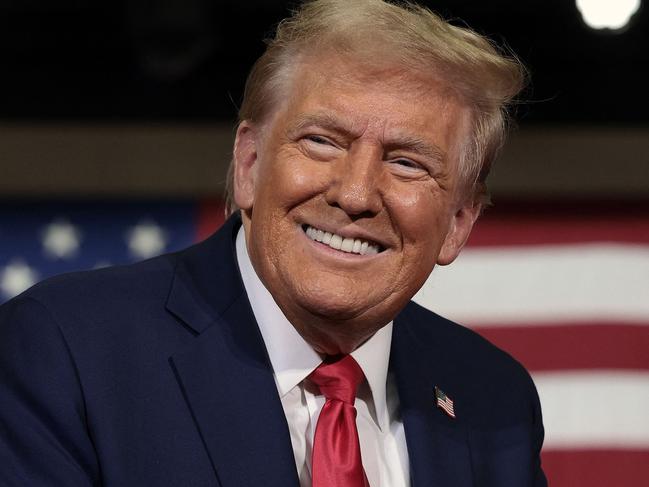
[
  {"x": 291, "y": 357},
  {"x": 373, "y": 357}
]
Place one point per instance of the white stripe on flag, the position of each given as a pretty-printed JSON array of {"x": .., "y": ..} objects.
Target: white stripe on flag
[
  {"x": 593, "y": 410},
  {"x": 502, "y": 286}
]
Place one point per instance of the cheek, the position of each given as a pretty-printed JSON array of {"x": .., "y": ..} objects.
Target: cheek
[
  {"x": 419, "y": 213},
  {"x": 422, "y": 221},
  {"x": 289, "y": 180}
]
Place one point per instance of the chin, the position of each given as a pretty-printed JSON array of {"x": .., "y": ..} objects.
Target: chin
[
  {"x": 332, "y": 309},
  {"x": 330, "y": 336},
  {"x": 334, "y": 300}
]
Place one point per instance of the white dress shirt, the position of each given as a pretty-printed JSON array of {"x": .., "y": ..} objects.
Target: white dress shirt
[{"x": 380, "y": 430}]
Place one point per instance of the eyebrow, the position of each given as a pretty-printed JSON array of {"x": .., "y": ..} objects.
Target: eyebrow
[
  {"x": 324, "y": 120},
  {"x": 416, "y": 145}
]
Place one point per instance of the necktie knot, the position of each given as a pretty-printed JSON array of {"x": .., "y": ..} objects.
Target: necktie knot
[{"x": 338, "y": 378}]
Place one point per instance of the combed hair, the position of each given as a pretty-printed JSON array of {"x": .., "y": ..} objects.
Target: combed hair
[{"x": 402, "y": 35}]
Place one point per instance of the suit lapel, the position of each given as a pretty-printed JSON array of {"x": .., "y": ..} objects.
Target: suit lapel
[
  {"x": 225, "y": 375},
  {"x": 438, "y": 445}
]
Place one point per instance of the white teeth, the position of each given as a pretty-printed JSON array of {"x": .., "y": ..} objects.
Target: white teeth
[
  {"x": 336, "y": 242},
  {"x": 348, "y": 245},
  {"x": 351, "y": 245}
]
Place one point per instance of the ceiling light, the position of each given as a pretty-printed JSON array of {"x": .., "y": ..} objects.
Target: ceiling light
[{"x": 607, "y": 14}]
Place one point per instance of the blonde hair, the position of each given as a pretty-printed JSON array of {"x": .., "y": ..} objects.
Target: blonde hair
[{"x": 405, "y": 35}]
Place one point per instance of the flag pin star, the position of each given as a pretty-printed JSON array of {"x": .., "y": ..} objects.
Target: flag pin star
[{"x": 444, "y": 402}]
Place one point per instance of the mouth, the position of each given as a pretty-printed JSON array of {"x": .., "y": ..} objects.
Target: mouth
[{"x": 344, "y": 244}]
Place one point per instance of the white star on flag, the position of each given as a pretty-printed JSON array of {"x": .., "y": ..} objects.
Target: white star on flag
[
  {"x": 16, "y": 277},
  {"x": 146, "y": 239},
  {"x": 61, "y": 240}
]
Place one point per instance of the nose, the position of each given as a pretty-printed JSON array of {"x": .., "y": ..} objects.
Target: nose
[{"x": 355, "y": 182}]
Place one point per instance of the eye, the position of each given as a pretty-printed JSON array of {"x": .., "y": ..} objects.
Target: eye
[
  {"x": 407, "y": 163},
  {"x": 408, "y": 169},
  {"x": 319, "y": 147},
  {"x": 318, "y": 139}
]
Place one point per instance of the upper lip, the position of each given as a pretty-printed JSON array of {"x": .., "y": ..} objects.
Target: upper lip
[{"x": 352, "y": 231}]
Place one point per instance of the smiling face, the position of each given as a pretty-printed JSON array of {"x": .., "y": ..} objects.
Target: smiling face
[{"x": 349, "y": 196}]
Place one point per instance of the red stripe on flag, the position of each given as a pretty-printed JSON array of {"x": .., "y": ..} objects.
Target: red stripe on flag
[
  {"x": 571, "y": 346},
  {"x": 211, "y": 215},
  {"x": 559, "y": 230},
  {"x": 599, "y": 468},
  {"x": 520, "y": 222}
]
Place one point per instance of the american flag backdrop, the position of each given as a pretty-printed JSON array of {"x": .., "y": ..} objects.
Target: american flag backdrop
[
  {"x": 39, "y": 239},
  {"x": 563, "y": 288}
]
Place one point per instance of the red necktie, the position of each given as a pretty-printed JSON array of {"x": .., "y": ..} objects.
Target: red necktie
[{"x": 336, "y": 449}]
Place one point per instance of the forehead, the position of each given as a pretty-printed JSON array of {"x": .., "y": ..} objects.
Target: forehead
[{"x": 370, "y": 96}]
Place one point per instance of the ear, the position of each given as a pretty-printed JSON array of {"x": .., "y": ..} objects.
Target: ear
[
  {"x": 245, "y": 164},
  {"x": 459, "y": 231}
]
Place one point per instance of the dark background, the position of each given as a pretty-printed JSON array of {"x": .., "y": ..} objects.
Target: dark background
[{"x": 186, "y": 60}]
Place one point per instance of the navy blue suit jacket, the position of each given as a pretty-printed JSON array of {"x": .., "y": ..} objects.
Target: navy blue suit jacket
[{"x": 156, "y": 374}]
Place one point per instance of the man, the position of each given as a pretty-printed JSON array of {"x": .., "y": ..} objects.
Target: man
[{"x": 284, "y": 350}]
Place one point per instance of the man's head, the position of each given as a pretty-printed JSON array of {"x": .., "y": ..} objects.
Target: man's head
[
  {"x": 375, "y": 124},
  {"x": 379, "y": 33}
]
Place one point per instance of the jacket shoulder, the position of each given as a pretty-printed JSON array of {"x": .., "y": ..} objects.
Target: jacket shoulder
[
  {"x": 494, "y": 386},
  {"x": 149, "y": 277},
  {"x": 434, "y": 326},
  {"x": 99, "y": 305}
]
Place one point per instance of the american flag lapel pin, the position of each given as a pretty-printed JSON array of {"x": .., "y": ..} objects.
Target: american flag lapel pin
[{"x": 444, "y": 402}]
